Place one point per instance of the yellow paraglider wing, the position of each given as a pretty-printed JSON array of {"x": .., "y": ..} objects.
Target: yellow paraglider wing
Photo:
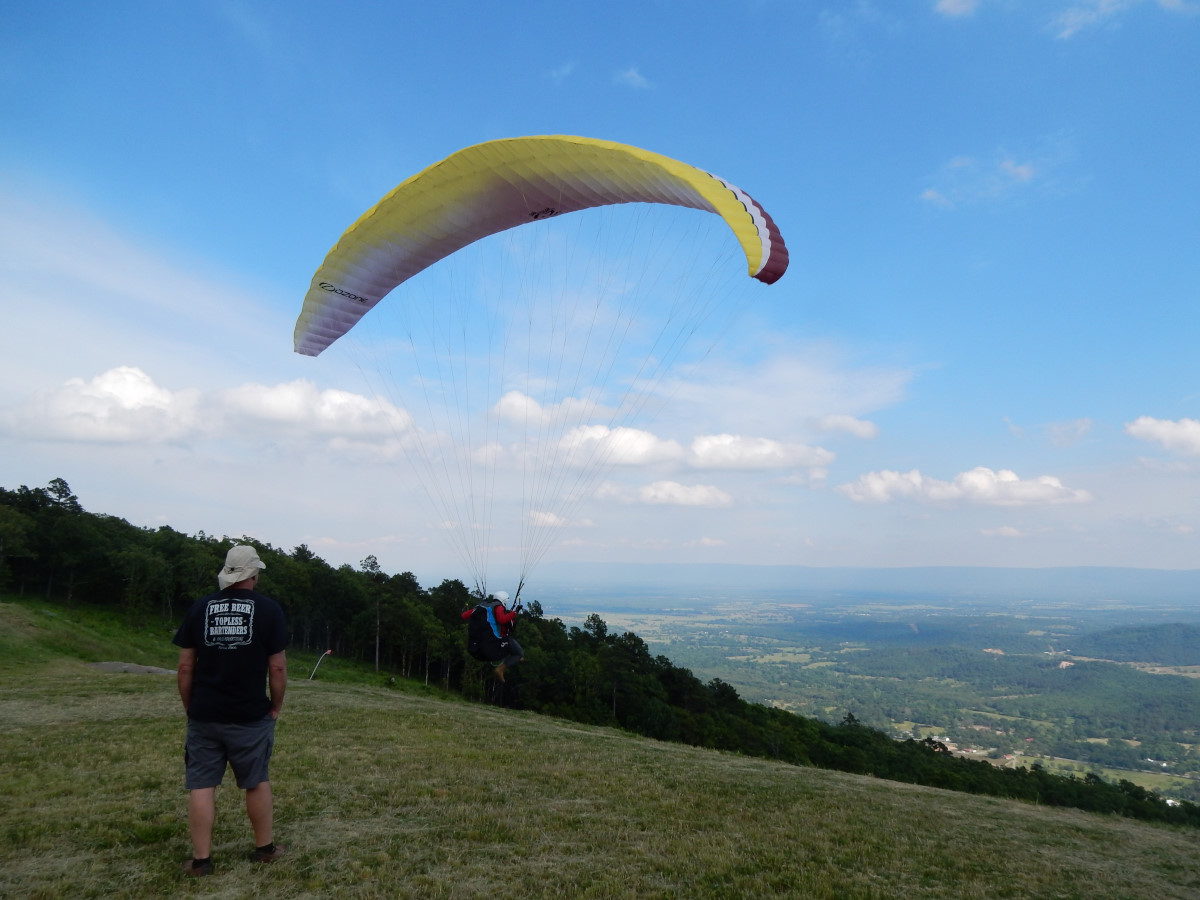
[{"x": 494, "y": 186}]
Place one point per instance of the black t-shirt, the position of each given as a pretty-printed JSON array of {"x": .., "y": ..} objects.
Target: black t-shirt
[{"x": 233, "y": 633}]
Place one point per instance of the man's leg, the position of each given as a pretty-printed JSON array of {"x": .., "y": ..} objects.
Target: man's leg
[
  {"x": 261, "y": 809},
  {"x": 515, "y": 653},
  {"x": 202, "y": 813}
]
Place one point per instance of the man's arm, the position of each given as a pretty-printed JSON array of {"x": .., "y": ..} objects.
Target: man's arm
[
  {"x": 184, "y": 675},
  {"x": 277, "y": 680}
]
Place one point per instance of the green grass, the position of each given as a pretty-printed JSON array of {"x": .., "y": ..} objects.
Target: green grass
[
  {"x": 36, "y": 632},
  {"x": 395, "y": 793},
  {"x": 1153, "y": 781}
]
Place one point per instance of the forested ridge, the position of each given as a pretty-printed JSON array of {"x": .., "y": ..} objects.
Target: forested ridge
[
  {"x": 51, "y": 547},
  {"x": 1102, "y": 698},
  {"x": 1167, "y": 645}
]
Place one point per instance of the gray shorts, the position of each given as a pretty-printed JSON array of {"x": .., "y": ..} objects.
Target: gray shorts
[{"x": 244, "y": 746}]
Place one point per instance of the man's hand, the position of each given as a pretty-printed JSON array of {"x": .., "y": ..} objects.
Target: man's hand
[
  {"x": 277, "y": 681},
  {"x": 186, "y": 670}
]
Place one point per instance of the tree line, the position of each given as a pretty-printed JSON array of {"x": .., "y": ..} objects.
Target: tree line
[
  {"x": 1174, "y": 644},
  {"x": 51, "y": 547}
]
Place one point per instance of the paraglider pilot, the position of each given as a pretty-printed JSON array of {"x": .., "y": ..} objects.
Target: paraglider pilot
[{"x": 489, "y": 634}]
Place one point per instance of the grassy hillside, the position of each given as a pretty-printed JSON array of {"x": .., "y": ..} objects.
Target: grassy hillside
[{"x": 398, "y": 792}]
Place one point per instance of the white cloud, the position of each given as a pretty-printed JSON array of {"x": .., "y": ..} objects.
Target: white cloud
[
  {"x": 1016, "y": 172},
  {"x": 562, "y": 72},
  {"x": 631, "y": 77},
  {"x": 636, "y": 447},
  {"x": 1042, "y": 167},
  {"x": 540, "y": 519},
  {"x": 935, "y": 197},
  {"x": 664, "y": 493},
  {"x": 1085, "y": 14},
  {"x": 121, "y": 405},
  {"x": 956, "y": 8},
  {"x": 673, "y": 493},
  {"x": 1073, "y": 17},
  {"x": 620, "y": 446},
  {"x": 814, "y": 478},
  {"x": 980, "y": 486},
  {"x": 125, "y": 405},
  {"x": 860, "y": 428},
  {"x": 1004, "y": 531},
  {"x": 732, "y": 451},
  {"x": 1181, "y": 437},
  {"x": 967, "y": 180},
  {"x": 521, "y": 409},
  {"x": 300, "y": 407}
]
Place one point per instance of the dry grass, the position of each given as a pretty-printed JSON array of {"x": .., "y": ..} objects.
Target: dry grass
[{"x": 381, "y": 793}]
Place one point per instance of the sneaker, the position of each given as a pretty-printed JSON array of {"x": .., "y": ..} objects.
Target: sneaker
[
  {"x": 262, "y": 856},
  {"x": 193, "y": 871}
]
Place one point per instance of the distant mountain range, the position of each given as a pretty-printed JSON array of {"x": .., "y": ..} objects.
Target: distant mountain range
[{"x": 963, "y": 583}]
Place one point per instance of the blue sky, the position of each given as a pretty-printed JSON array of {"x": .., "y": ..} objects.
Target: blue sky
[{"x": 984, "y": 352}]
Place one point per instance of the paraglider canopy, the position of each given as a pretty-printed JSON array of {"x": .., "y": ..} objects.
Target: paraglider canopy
[
  {"x": 515, "y": 377},
  {"x": 499, "y": 185}
]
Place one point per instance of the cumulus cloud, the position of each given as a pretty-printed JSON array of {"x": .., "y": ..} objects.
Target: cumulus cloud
[
  {"x": 632, "y": 78},
  {"x": 1182, "y": 437},
  {"x": 979, "y": 486},
  {"x": 125, "y": 405},
  {"x": 664, "y": 493},
  {"x": 956, "y": 8},
  {"x": 636, "y": 447},
  {"x": 620, "y": 446},
  {"x": 521, "y": 409},
  {"x": 733, "y": 451},
  {"x": 119, "y": 406},
  {"x": 300, "y": 407},
  {"x": 541, "y": 519},
  {"x": 1004, "y": 531},
  {"x": 672, "y": 493},
  {"x": 860, "y": 428},
  {"x": 814, "y": 478}
]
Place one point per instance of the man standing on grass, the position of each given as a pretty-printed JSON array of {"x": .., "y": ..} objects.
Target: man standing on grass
[{"x": 231, "y": 644}]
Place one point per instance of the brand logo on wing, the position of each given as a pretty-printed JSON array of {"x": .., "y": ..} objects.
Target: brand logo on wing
[
  {"x": 544, "y": 213},
  {"x": 334, "y": 289}
]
